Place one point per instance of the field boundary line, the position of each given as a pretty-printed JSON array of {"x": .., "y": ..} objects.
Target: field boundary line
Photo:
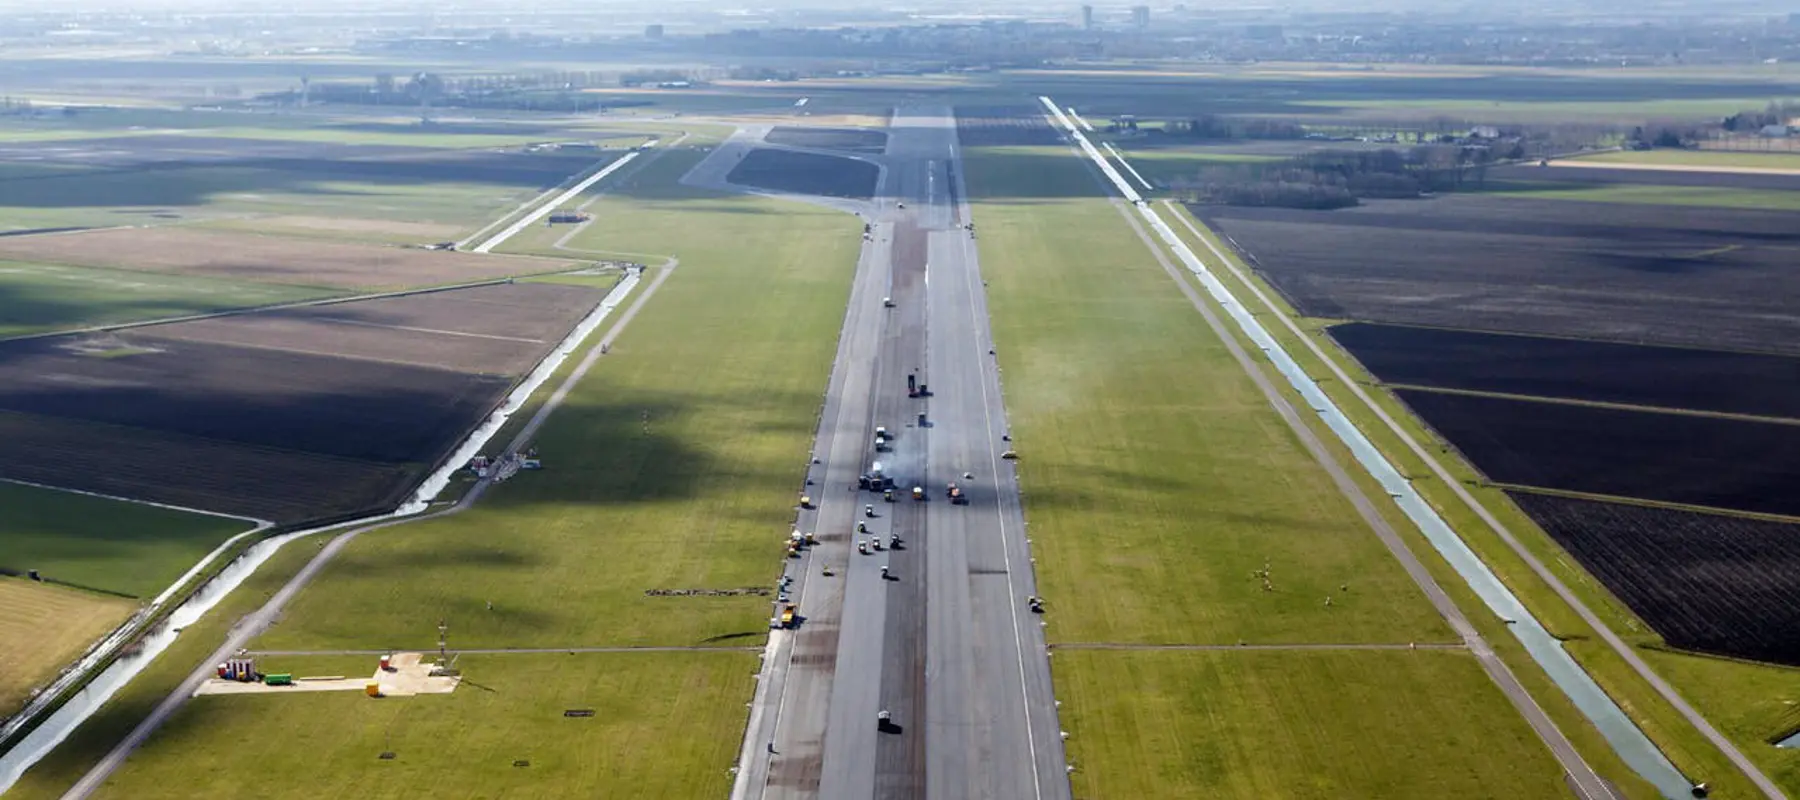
[
  {"x": 256, "y": 622},
  {"x": 1604, "y": 404},
  {"x": 1537, "y": 566},
  {"x": 1760, "y": 516},
  {"x": 1217, "y": 648}
]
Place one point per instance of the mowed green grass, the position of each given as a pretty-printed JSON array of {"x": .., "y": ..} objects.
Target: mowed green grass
[
  {"x": 1317, "y": 725},
  {"x": 106, "y": 544},
  {"x": 728, "y": 361},
  {"x": 45, "y": 297},
  {"x": 1162, "y": 165},
  {"x": 1157, "y": 477},
  {"x": 665, "y": 725},
  {"x": 43, "y": 627},
  {"x": 100, "y": 198},
  {"x": 1700, "y": 158},
  {"x": 1650, "y": 194}
]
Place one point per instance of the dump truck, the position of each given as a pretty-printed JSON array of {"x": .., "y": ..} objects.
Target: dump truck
[
  {"x": 918, "y": 493},
  {"x": 788, "y": 615}
]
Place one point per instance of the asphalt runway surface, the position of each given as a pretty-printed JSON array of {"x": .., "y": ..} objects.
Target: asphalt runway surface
[{"x": 944, "y": 642}]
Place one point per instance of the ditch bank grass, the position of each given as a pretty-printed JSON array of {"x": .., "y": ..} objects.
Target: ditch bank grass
[
  {"x": 674, "y": 465},
  {"x": 43, "y": 628},
  {"x": 664, "y": 724},
  {"x": 1304, "y": 725},
  {"x": 1728, "y": 684}
]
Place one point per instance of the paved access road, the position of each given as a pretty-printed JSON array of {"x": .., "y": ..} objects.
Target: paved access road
[{"x": 945, "y": 642}]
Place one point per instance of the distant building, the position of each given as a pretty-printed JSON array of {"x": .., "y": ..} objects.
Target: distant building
[
  {"x": 1775, "y": 131},
  {"x": 653, "y": 31},
  {"x": 1140, "y": 16},
  {"x": 1087, "y": 18},
  {"x": 1484, "y": 132}
]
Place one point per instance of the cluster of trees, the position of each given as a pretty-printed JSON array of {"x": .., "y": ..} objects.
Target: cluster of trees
[
  {"x": 1216, "y": 127},
  {"x": 1753, "y": 121},
  {"x": 652, "y": 77},
  {"x": 561, "y": 90},
  {"x": 1339, "y": 178}
]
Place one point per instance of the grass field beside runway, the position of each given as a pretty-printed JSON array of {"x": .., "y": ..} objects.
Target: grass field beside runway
[
  {"x": 35, "y": 298},
  {"x": 1157, "y": 478},
  {"x": 43, "y": 627},
  {"x": 727, "y": 362},
  {"x": 730, "y": 357},
  {"x": 1322, "y": 724},
  {"x": 1156, "y": 475},
  {"x": 665, "y": 725}
]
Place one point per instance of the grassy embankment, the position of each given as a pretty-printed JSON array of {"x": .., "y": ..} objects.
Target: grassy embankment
[
  {"x": 1158, "y": 478},
  {"x": 1733, "y": 695},
  {"x": 728, "y": 360}
]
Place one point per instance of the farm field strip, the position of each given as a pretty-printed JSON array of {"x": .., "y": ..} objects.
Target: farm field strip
[
  {"x": 1705, "y": 582},
  {"x": 1666, "y": 378},
  {"x": 269, "y": 259},
  {"x": 1627, "y": 740},
  {"x": 806, "y": 173},
  {"x": 1689, "y": 717},
  {"x": 43, "y": 628},
  {"x": 1712, "y": 462},
  {"x": 50, "y": 298}
]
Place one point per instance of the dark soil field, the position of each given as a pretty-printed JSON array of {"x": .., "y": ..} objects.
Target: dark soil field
[
  {"x": 1703, "y": 277},
  {"x": 1705, "y": 582},
  {"x": 806, "y": 173},
  {"x": 286, "y": 415},
  {"x": 849, "y": 139},
  {"x": 982, "y": 126},
  {"x": 1670, "y": 377},
  {"x": 1676, "y": 458},
  {"x": 269, "y": 259},
  {"x": 272, "y": 484},
  {"x": 495, "y": 330},
  {"x": 343, "y": 407}
]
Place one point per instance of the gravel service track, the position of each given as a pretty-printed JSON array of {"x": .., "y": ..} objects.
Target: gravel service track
[
  {"x": 1717, "y": 278},
  {"x": 270, "y": 259},
  {"x": 806, "y": 173},
  {"x": 1675, "y": 458},
  {"x": 848, "y": 139},
  {"x": 1705, "y": 582},
  {"x": 1559, "y": 173},
  {"x": 1667, "y": 377}
]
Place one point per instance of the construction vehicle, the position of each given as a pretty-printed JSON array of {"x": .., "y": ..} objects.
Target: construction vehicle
[
  {"x": 812, "y": 539},
  {"x": 788, "y": 616},
  {"x": 862, "y": 547},
  {"x": 881, "y": 443},
  {"x": 869, "y": 511},
  {"x": 894, "y": 541},
  {"x": 862, "y": 527},
  {"x": 888, "y": 495},
  {"x": 918, "y": 493},
  {"x": 883, "y": 719},
  {"x": 1035, "y": 603},
  {"x": 875, "y": 542},
  {"x": 955, "y": 493},
  {"x": 887, "y": 302},
  {"x": 806, "y": 501},
  {"x": 884, "y": 571}
]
